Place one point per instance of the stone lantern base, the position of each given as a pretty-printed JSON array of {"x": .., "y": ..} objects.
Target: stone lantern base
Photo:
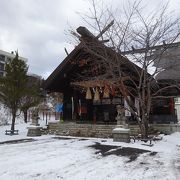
[
  {"x": 121, "y": 134},
  {"x": 34, "y": 131}
]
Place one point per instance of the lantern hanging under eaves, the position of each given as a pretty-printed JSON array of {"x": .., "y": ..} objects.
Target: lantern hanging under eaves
[
  {"x": 88, "y": 94},
  {"x": 96, "y": 95}
]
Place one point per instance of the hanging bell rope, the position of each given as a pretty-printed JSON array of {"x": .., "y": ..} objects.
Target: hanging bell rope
[
  {"x": 88, "y": 94},
  {"x": 96, "y": 95},
  {"x": 106, "y": 92}
]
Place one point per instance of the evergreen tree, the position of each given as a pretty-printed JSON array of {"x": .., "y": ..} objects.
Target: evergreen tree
[{"x": 13, "y": 85}]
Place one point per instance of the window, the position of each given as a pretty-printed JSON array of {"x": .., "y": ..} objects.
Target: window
[
  {"x": 2, "y": 58},
  {"x": 1, "y": 66}
]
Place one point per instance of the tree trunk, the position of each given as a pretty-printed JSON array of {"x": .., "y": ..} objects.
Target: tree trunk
[
  {"x": 146, "y": 125},
  {"x": 13, "y": 121},
  {"x": 25, "y": 115},
  {"x": 144, "y": 128}
]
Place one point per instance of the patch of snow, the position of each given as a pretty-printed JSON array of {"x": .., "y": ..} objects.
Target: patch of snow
[
  {"x": 50, "y": 158},
  {"x": 4, "y": 115},
  {"x": 119, "y": 130}
]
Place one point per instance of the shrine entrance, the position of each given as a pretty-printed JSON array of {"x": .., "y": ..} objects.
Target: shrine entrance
[{"x": 95, "y": 102}]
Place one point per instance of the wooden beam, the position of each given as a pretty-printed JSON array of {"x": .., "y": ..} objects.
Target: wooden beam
[
  {"x": 66, "y": 51},
  {"x": 142, "y": 50},
  {"x": 84, "y": 32},
  {"x": 98, "y": 83},
  {"x": 105, "y": 29}
]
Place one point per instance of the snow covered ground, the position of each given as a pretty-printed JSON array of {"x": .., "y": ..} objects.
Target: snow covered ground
[{"x": 49, "y": 158}]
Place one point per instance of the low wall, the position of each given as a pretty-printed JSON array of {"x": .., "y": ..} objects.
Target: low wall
[
  {"x": 85, "y": 130},
  {"x": 102, "y": 131},
  {"x": 167, "y": 128}
]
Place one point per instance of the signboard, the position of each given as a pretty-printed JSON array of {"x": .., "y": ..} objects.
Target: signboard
[
  {"x": 127, "y": 110},
  {"x": 59, "y": 108}
]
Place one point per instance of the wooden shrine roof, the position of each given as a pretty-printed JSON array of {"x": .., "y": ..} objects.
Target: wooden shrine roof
[{"x": 61, "y": 76}]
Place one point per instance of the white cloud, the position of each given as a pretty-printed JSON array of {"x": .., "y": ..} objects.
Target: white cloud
[{"x": 37, "y": 29}]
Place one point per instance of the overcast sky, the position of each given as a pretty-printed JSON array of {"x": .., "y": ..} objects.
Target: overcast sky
[{"x": 39, "y": 28}]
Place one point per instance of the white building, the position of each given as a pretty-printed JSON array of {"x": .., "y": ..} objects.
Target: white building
[{"x": 4, "y": 56}]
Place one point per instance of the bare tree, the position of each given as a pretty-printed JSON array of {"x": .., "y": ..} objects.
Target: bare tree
[
  {"x": 33, "y": 95},
  {"x": 126, "y": 47}
]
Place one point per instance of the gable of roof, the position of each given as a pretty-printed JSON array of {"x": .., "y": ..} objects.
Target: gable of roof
[{"x": 63, "y": 67}]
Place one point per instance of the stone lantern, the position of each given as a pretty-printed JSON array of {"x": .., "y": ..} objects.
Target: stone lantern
[
  {"x": 121, "y": 133},
  {"x": 34, "y": 129}
]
